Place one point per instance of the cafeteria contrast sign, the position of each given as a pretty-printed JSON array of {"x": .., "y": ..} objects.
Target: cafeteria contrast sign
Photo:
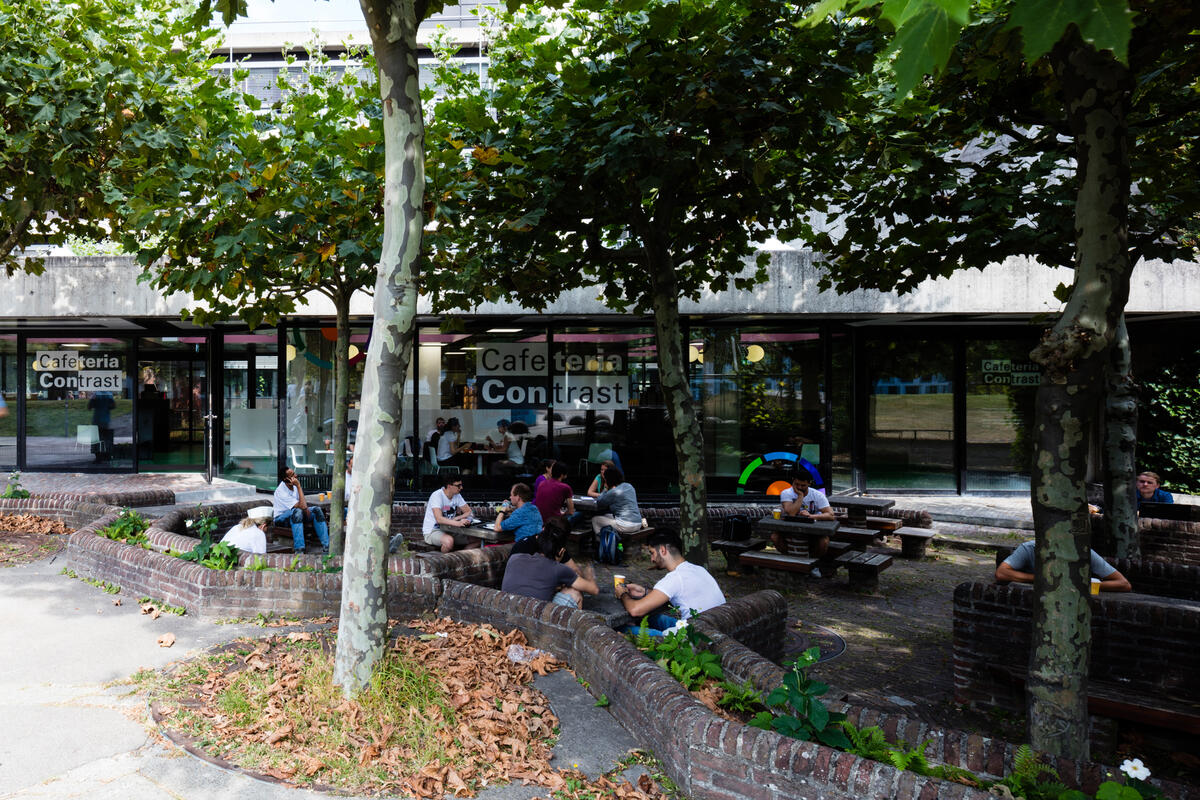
[
  {"x": 79, "y": 372},
  {"x": 513, "y": 375}
]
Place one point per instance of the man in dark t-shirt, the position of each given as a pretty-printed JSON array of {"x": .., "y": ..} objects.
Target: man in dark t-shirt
[
  {"x": 542, "y": 576},
  {"x": 553, "y": 493}
]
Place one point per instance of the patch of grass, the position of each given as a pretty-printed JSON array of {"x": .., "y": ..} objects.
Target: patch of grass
[
  {"x": 654, "y": 767},
  {"x": 108, "y": 588},
  {"x": 402, "y": 708},
  {"x": 164, "y": 606}
]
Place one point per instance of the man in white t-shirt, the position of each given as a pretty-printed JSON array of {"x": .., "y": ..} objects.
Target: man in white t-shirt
[
  {"x": 292, "y": 509},
  {"x": 446, "y": 507},
  {"x": 686, "y": 586},
  {"x": 801, "y": 500}
]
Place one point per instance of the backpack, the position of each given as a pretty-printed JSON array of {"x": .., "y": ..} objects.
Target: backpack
[
  {"x": 736, "y": 528},
  {"x": 608, "y": 546}
]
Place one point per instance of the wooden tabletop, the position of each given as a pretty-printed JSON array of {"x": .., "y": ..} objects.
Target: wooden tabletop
[{"x": 479, "y": 531}]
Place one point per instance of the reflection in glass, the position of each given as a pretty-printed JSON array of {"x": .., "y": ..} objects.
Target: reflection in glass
[
  {"x": 761, "y": 398},
  {"x": 251, "y": 421},
  {"x": 1001, "y": 389},
  {"x": 172, "y": 392},
  {"x": 910, "y": 414},
  {"x": 78, "y": 403},
  {"x": 8, "y": 401}
]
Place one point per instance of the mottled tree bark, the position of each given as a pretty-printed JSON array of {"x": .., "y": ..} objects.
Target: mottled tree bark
[
  {"x": 681, "y": 411},
  {"x": 341, "y": 403},
  {"x": 392, "y": 25},
  {"x": 1074, "y": 359},
  {"x": 1120, "y": 536}
]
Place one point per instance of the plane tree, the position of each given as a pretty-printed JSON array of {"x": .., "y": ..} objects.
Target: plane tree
[
  {"x": 267, "y": 205},
  {"x": 1055, "y": 131},
  {"x": 82, "y": 85},
  {"x": 643, "y": 148}
]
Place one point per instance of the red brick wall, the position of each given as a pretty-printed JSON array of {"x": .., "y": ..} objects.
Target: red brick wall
[{"x": 1171, "y": 540}]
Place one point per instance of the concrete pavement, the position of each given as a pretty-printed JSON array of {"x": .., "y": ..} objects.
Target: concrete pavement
[{"x": 71, "y": 728}]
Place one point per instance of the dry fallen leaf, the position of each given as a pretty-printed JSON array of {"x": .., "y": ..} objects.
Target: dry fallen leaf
[
  {"x": 166, "y": 640},
  {"x": 116, "y": 601},
  {"x": 148, "y": 608}
]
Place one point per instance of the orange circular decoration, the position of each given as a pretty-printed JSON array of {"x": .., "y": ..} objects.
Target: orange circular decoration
[
  {"x": 330, "y": 334},
  {"x": 777, "y": 487}
]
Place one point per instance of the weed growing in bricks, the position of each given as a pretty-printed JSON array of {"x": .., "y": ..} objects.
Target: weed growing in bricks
[
  {"x": 795, "y": 709},
  {"x": 130, "y": 527},
  {"x": 105, "y": 586},
  {"x": 14, "y": 491},
  {"x": 203, "y": 525}
]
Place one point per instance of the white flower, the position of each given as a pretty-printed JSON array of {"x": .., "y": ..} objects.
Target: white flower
[{"x": 1134, "y": 768}]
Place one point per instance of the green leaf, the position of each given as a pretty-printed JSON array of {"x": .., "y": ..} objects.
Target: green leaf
[
  {"x": 922, "y": 47},
  {"x": 1104, "y": 24},
  {"x": 1111, "y": 790}
]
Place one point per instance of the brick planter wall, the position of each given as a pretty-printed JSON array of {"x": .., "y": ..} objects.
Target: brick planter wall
[
  {"x": 73, "y": 513},
  {"x": 1143, "y": 644},
  {"x": 711, "y": 759},
  {"x": 1171, "y": 540}
]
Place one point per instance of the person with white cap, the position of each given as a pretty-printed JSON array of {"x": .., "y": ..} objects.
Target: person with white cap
[{"x": 250, "y": 535}]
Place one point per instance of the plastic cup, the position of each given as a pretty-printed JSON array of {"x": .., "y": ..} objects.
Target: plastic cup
[
  {"x": 618, "y": 581},
  {"x": 776, "y": 513},
  {"x": 1095, "y": 588}
]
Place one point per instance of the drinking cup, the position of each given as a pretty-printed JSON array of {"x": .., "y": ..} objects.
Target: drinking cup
[{"x": 1095, "y": 586}]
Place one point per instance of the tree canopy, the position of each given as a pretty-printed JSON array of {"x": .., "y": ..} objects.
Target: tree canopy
[
  {"x": 84, "y": 88},
  {"x": 644, "y": 148}
]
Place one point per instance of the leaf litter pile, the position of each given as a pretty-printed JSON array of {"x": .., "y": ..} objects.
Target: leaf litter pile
[
  {"x": 24, "y": 538},
  {"x": 448, "y": 713}
]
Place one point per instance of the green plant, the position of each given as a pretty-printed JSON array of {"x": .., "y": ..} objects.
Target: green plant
[
  {"x": 129, "y": 527},
  {"x": 682, "y": 653},
  {"x": 602, "y": 702},
  {"x": 14, "y": 491},
  {"x": 742, "y": 699},
  {"x": 213, "y": 556},
  {"x": 1032, "y": 779},
  {"x": 257, "y": 565},
  {"x": 203, "y": 525},
  {"x": 808, "y": 719}
]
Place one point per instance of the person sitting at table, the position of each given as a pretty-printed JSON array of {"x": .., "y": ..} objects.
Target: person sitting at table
[
  {"x": 801, "y": 500},
  {"x": 509, "y": 445},
  {"x": 596, "y": 487},
  {"x": 547, "y": 465},
  {"x": 446, "y": 507},
  {"x": 450, "y": 450},
  {"x": 552, "y": 494},
  {"x": 686, "y": 586},
  {"x": 250, "y": 535},
  {"x": 523, "y": 520},
  {"x": 292, "y": 509},
  {"x": 617, "y": 506},
  {"x": 543, "y": 575},
  {"x": 1148, "y": 490},
  {"x": 439, "y": 427},
  {"x": 1019, "y": 566}
]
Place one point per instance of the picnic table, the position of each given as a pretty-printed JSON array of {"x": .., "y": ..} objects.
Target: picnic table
[
  {"x": 481, "y": 531},
  {"x": 858, "y": 508},
  {"x": 800, "y": 535}
]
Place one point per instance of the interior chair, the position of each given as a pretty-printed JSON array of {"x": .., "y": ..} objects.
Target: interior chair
[
  {"x": 294, "y": 455},
  {"x": 86, "y": 436},
  {"x": 597, "y": 452}
]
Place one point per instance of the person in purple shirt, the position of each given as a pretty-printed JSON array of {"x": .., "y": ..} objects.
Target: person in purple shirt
[
  {"x": 524, "y": 519},
  {"x": 553, "y": 494}
]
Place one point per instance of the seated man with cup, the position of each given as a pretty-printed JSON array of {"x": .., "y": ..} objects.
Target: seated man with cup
[
  {"x": 686, "y": 586},
  {"x": 446, "y": 506},
  {"x": 1019, "y": 565}
]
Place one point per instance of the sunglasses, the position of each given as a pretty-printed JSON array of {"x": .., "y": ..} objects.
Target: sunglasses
[{"x": 456, "y": 485}]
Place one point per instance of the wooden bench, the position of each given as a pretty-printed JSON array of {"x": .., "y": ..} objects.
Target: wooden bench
[
  {"x": 857, "y": 538},
  {"x": 864, "y": 568},
  {"x": 732, "y": 549},
  {"x": 778, "y": 561},
  {"x": 913, "y": 542}
]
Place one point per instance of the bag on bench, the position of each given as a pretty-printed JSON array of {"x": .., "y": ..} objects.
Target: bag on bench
[
  {"x": 736, "y": 528},
  {"x": 608, "y": 546}
]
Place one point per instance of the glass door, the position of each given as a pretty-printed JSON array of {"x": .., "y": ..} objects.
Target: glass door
[
  {"x": 909, "y": 414},
  {"x": 172, "y": 401},
  {"x": 250, "y": 418}
]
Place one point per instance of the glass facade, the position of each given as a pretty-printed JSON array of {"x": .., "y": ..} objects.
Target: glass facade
[
  {"x": 250, "y": 407},
  {"x": 1001, "y": 385}
]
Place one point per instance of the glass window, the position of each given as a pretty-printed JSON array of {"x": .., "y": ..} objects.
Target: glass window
[
  {"x": 1001, "y": 388},
  {"x": 841, "y": 382},
  {"x": 8, "y": 401},
  {"x": 608, "y": 406},
  {"x": 469, "y": 385},
  {"x": 172, "y": 398},
  {"x": 311, "y": 392},
  {"x": 78, "y": 403},
  {"x": 910, "y": 414},
  {"x": 251, "y": 408},
  {"x": 761, "y": 394}
]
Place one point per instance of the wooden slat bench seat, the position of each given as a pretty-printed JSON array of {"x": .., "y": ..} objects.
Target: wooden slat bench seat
[
  {"x": 858, "y": 538},
  {"x": 636, "y": 537},
  {"x": 881, "y": 523},
  {"x": 864, "y": 568},
  {"x": 732, "y": 549},
  {"x": 778, "y": 561}
]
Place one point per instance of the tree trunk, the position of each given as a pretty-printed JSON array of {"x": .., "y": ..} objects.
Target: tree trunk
[
  {"x": 681, "y": 413},
  {"x": 1120, "y": 453},
  {"x": 1074, "y": 357},
  {"x": 341, "y": 404},
  {"x": 363, "y": 622}
]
